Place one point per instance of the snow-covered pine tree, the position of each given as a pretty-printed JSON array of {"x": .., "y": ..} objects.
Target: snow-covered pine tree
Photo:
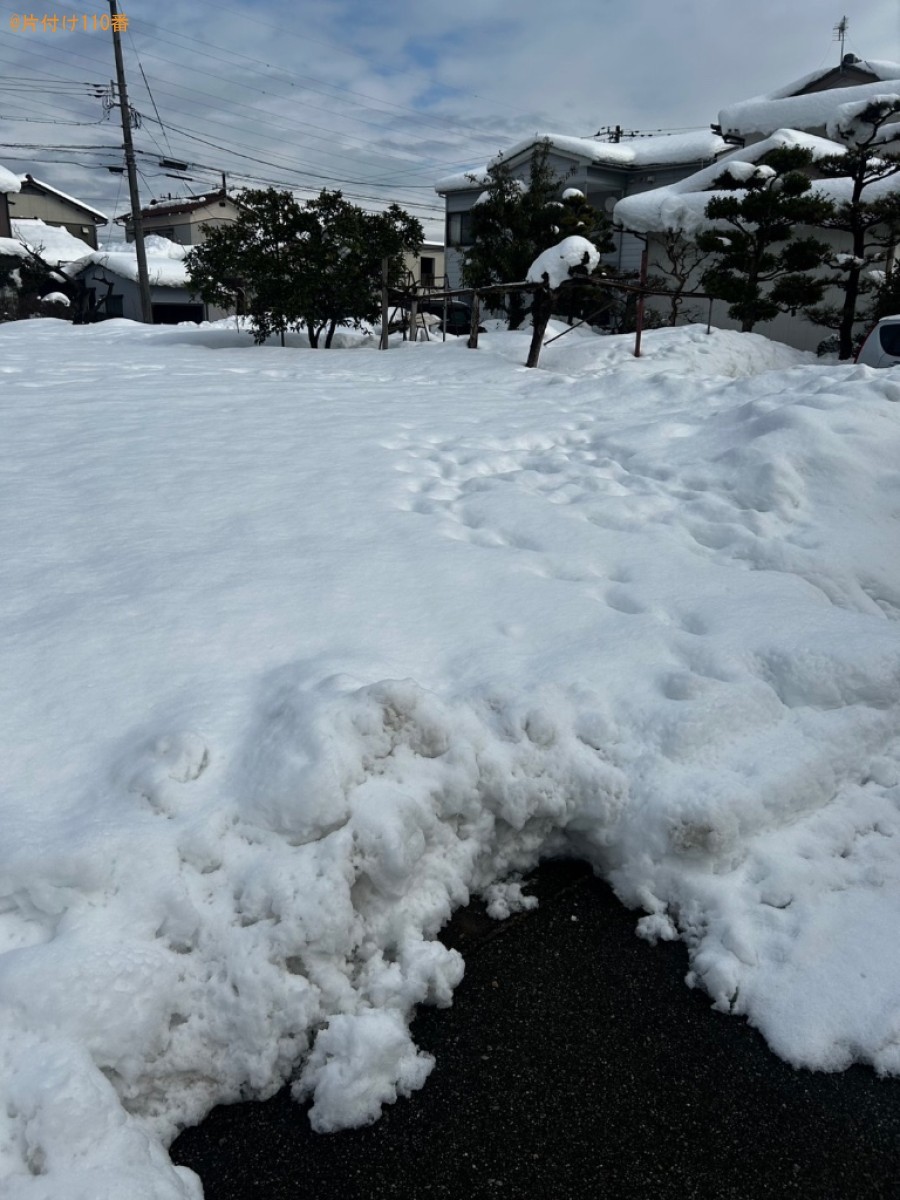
[{"x": 761, "y": 268}]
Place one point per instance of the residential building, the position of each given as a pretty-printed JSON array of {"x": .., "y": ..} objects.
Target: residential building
[
  {"x": 182, "y": 219},
  {"x": 9, "y": 186},
  {"x": 796, "y": 115},
  {"x": 106, "y": 284},
  {"x": 604, "y": 169},
  {"x": 427, "y": 267},
  {"x": 37, "y": 200}
]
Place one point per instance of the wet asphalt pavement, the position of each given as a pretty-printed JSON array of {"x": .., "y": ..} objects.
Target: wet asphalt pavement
[{"x": 574, "y": 1063}]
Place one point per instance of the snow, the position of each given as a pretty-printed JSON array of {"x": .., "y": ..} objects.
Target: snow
[
  {"x": 165, "y": 262},
  {"x": 669, "y": 149},
  {"x": 54, "y": 244},
  {"x": 12, "y": 248},
  {"x": 465, "y": 181},
  {"x": 682, "y": 205},
  {"x": 556, "y": 262},
  {"x": 297, "y": 660},
  {"x": 664, "y": 149},
  {"x": 9, "y": 183},
  {"x": 845, "y": 124},
  {"x": 764, "y": 114}
]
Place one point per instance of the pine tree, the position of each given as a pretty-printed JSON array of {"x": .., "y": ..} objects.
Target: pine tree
[
  {"x": 761, "y": 267},
  {"x": 514, "y": 221},
  {"x": 869, "y": 224}
]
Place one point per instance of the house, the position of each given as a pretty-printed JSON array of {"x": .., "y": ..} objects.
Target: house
[
  {"x": 182, "y": 219},
  {"x": 808, "y": 103},
  {"x": 9, "y": 186},
  {"x": 37, "y": 200},
  {"x": 604, "y": 170},
  {"x": 427, "y": 267},
  {"x": 106, "y": 285},
  {"x": 797, "y": 115}
]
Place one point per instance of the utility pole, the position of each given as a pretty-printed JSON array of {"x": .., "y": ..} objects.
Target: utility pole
[{"x": 137, "y": 223}]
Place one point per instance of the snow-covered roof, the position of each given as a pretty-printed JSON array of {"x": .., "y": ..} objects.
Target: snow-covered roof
[
  {"x": 9, "y": 183},
  {"x": 682, "y": 205},
  {"x": 654, "y": 150},
  {"x": 463, "y": 181},
  {"x": 45, "y": 187},
  {"x": 880, "y": 69},
  {"x": 54, "y": 244},
  {"x": 764, "y": 114},
  {"x": 660, "y": 149},
  {"x": 165, "y": 262}
]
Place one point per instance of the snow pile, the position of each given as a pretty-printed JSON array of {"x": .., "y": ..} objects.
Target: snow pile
[
  {"x": 557, "y": 263},
  {"x": 296, "y": 662}
]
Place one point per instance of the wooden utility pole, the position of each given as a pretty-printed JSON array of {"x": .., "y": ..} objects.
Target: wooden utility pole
[{"x": 137, "y": 223}]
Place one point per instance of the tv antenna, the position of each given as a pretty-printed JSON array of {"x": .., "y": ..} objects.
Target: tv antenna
[{"x": 840, "y": 33}]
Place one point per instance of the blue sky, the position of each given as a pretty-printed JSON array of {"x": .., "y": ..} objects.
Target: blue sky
[{"x": 382, "y": 100}]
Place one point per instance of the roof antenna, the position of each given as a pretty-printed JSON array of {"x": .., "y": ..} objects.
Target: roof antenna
[{"x": 840, "y": 33}]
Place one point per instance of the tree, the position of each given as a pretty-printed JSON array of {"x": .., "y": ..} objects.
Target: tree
[
  {"x": 24, "y": 280},
  {"x": 870, "y": 224},
  {"x": 678, "y": 261},
  {"x": 514, "y": 221},
  {"x": 316, "y": 266},
  {"x": 761, "y": 267}
]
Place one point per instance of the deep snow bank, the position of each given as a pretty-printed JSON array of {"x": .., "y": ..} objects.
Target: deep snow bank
[{"x": 305, "y": 649}]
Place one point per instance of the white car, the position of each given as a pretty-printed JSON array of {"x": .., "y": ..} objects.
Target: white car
[{"x": 882, "y": 345}]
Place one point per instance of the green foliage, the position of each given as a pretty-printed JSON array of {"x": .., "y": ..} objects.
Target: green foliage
[
  {"x": 516, "y": 221},
  {"x": 760, "y": 267},
  {"x": 869, "y": 225},
  {"x": 318, "y": 265}
]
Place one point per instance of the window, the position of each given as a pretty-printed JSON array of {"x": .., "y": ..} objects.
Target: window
[
  {"x": 426, "y": 271},
  {"x": 890, "y": 339},
  {"x": 459, "y": 229},
  {"x": 113, "y": 306}
]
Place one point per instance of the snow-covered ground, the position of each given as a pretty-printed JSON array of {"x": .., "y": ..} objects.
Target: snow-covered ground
[{"x": 301, "y": 650}]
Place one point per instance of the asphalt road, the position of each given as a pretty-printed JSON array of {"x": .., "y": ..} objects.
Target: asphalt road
[{"x": 574, "y": 1063}]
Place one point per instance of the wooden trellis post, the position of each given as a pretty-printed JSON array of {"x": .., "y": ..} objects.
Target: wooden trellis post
[{"x": 472, "y": 343}]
